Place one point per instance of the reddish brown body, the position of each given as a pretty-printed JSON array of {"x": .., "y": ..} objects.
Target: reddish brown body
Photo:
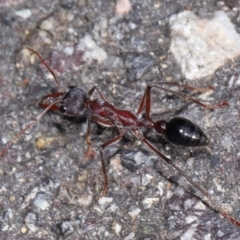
[{"x": 118, "y": 117}]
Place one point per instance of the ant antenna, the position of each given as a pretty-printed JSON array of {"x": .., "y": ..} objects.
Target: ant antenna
[
  {"x": 26, "y": 128},
  {"x": 44, "y": 63}
]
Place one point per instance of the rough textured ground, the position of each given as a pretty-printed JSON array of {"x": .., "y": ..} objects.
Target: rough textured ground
[{"x": 45, "y": 193}]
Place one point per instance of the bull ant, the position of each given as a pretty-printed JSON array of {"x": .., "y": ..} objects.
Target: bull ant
[{"x": 177, "y": 130}]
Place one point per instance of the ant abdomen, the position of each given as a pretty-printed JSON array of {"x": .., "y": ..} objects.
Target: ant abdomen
[{"x": 181, "y": 131}]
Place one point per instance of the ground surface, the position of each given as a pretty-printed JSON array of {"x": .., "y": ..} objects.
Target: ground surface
[{"x": 46, "y": 193}]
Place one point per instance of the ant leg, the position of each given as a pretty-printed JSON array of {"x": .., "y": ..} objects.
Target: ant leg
[
  {"x": 179, "y": 84},
  {"x": 103, "y": 122},
  {"x": 213, "y": 204},
  {"x": 90, "y": 152},
  {"x": 188, "y": 98},
  {"x": 50, "y": 96},
  {"x": 9, "y": 144},
  {"x": 90, "y": 92},
  {"x": 104, "y": 169},
  {"x": 146, "y": 99}
]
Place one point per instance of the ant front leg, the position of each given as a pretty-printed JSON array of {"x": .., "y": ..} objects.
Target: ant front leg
[
  {"x": 90, "y": 92},
  {"x": 104, "y": 169},
  {"x": 90, "y": 152}
]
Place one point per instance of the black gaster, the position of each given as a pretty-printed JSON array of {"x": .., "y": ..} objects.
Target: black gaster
[{"x": 183, "y": 132}]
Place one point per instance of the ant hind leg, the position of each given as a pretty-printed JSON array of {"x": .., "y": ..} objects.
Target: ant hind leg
[{"x": 186, "y": 96}]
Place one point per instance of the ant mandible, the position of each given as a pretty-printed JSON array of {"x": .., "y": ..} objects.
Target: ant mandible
[{"x": 178, "y": 130}]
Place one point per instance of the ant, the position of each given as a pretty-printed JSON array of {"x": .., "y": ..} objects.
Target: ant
[{"x": 178, "y": 130}]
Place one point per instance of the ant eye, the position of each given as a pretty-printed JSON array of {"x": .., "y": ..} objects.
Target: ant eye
[{"x": 62, "y": 109}]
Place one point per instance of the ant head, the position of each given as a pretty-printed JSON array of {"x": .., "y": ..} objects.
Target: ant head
[{"x": 72, "y": 102}]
